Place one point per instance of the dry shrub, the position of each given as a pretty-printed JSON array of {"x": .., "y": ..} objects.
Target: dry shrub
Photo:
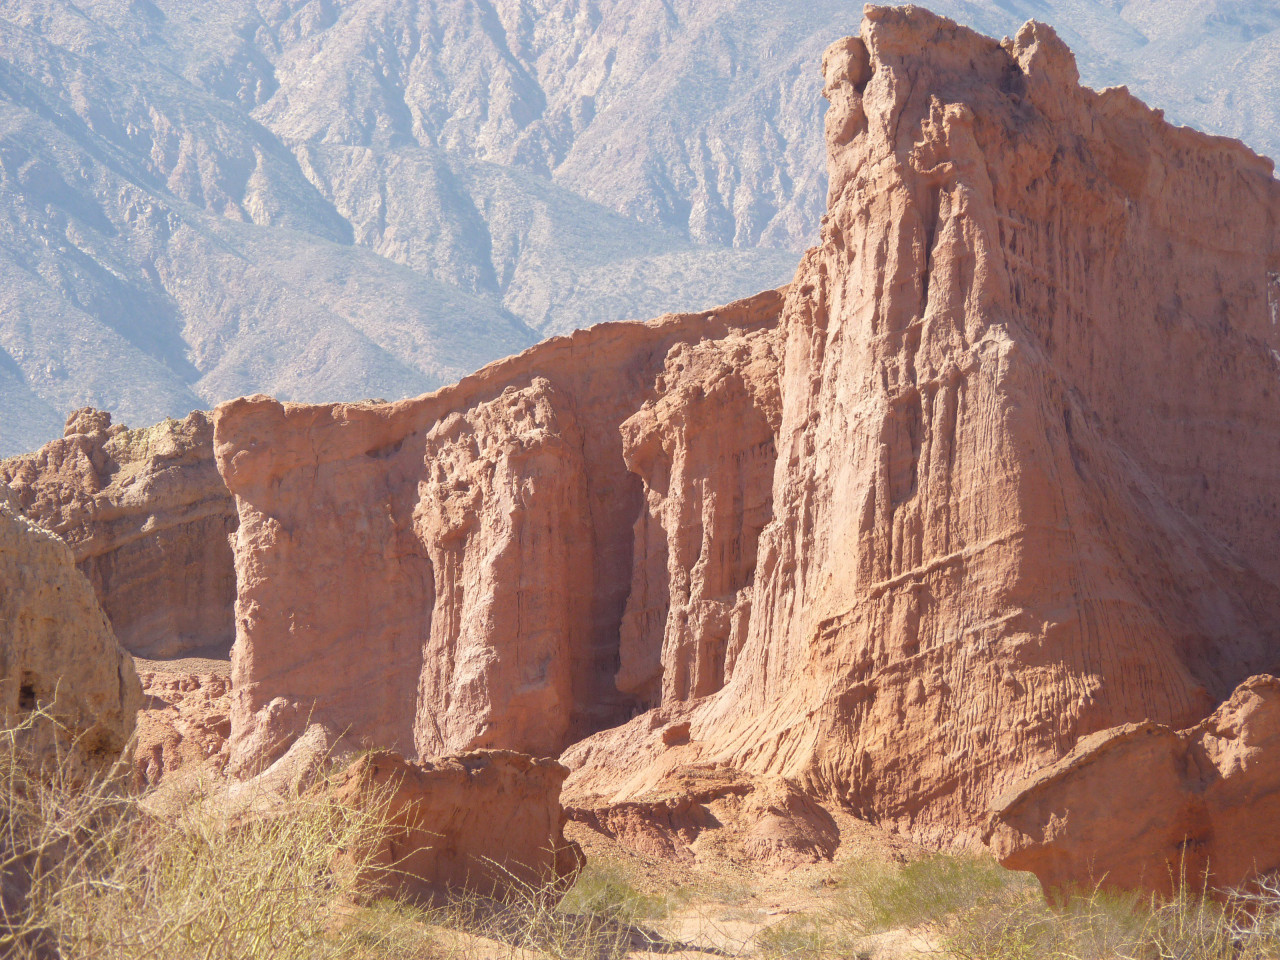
[
  {"x": 89, "y": 873},
  {"x": 1099, "y": 925}
]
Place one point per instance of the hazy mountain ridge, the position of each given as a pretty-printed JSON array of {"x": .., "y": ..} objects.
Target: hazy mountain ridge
[{"x": 322, "y": 199}]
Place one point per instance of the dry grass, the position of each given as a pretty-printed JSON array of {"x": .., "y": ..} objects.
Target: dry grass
[
  {"x": 1101, "y": 926},
  {"x": 871, "y": 896},
  {"x": 89, "y": 873},
  {"x": 971, "y": 909}
]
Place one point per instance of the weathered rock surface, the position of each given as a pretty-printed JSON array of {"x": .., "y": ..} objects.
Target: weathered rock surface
[
  {"x": 1030, "y": 436},
  {"x": 148, "y": 520},
  {"x": 1022, "y": 453},
  {"x": 705, "y": 451},
  {"x": 504, "y": 514},
  {"x": 488, "y": 821},
  {"x": 56, "y": 646},
  {"x": 473, "y": 545},
  {"x": 1145, "y": 806},
  {"x": 185, "y": 721}
]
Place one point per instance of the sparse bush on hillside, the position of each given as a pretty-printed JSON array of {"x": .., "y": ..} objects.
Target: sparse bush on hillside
[{"x": 88, "y": 873}]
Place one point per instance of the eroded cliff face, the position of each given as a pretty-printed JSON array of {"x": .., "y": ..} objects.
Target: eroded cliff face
[
  {"x": 450, "y": 573},
  {"x": 1027, "y": 461},
  {"x": 704, "y": 448},
  {"x": 502, "y": 509},
  {"x": 999, "y": 472},
  {"x": 148, "y": 520}
]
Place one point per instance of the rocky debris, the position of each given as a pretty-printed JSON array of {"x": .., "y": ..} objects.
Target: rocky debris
[
  {"x": 475, "y": 546},
  {"x": 1143, "y": 806},
  {"x": 1022, "y": 484},
  {"x": 698, "y": 813},
  {"x": 149, "y": 522},
  {"x": 185, "y": 721},
  {"x": 486, "y": 821},
  {"x": 56, "y": 646}
]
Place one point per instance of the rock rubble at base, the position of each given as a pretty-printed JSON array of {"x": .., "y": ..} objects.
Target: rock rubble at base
[{"x": 1143, "y": 806}]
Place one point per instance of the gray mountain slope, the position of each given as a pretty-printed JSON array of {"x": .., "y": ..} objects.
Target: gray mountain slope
[{"x": 349, "y": 198}]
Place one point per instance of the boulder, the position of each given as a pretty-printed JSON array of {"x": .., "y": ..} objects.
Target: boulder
[
  {"x": 149, "y": 522},
  {"x": 485, "y": 821},
  {"x": 1142, "y": 806}
]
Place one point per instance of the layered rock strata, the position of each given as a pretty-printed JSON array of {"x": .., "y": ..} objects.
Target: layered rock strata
[
  {"x": 57, "y": 651},
  {"x": 999, "y": 472},
  {"x": 488, "y": 821},
  {"x": 466, "y": 557},
  {"x": 1143, "y": 806},
  {"x": 148, "y": 520}
]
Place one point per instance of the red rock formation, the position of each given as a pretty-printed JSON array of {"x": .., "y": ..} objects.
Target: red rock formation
[
  {"x": 56, "y": 647},
  {"x": 487, "y": 821},
  {"x": 1027, "y": 435},
  {"x": 465, "y": 556},
  {"x": 503, "y": 513},
  {"x": 1142, "y": 806},
  {"x": 1030, "y": 437},
  {"x": 148, "y": 519},
  {"x": 705, "y": 450}
]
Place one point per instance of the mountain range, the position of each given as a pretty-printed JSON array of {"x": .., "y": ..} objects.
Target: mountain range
[{"x": 337, "y": 199}]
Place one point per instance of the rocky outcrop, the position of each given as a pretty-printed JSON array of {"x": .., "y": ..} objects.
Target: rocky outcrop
[
  {"x": 148, "y": 520},
  {"x": 474, "y": 545},
  {"x": 1028, "y": 448},
  {"x": 503, "y": 513},
  {"x": 1142, "y": 806},
  {"x": 487, "y": 821},
  {"x": 705, "y": 451},
  {"x": 56, "y": 647},
  {"x": 1022, "y": 452}
]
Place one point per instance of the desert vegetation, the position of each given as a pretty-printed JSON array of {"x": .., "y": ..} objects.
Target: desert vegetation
[{"x": 93, "y": 869}]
